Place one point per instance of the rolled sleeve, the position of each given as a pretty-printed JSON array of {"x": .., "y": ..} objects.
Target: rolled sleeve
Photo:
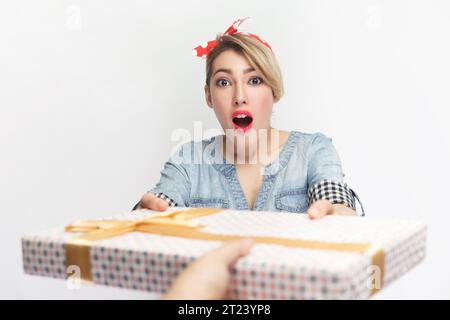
[
  {"x": 325, "y": 175},
  {"x": 336, "y": 193},
  {"x": 323, "y": 161},
  {"x": 174, "y": 182}
]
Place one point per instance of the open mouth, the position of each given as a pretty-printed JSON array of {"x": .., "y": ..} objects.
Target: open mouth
[{"x": 242, "y": 119}]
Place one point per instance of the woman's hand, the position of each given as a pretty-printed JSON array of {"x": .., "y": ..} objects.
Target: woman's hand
[
  {"x": 152, "y": 202},
  {"x": 321, "y": 208},
  {"x": 208, "y": 277}
]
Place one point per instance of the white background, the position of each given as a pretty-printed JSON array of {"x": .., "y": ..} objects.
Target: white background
[{"x": 91, "y": 91}]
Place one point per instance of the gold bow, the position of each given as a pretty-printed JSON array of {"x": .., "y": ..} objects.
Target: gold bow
[{"x": 177, "y": 224}]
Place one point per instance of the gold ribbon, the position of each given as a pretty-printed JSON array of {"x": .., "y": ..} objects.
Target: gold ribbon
[{"x": 177, "y": 224}]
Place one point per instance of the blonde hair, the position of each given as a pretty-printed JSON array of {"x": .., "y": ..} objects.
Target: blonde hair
[{"x": 258, "y": 56}]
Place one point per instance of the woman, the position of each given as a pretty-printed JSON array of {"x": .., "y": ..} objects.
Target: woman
[{"x": 253, "y": 166}]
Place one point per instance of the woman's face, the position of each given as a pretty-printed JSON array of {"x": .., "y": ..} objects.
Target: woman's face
[{"x": 238, "y": 95}]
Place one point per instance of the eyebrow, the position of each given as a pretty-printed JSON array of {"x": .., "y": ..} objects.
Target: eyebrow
[{"x": 248, "y": 70}]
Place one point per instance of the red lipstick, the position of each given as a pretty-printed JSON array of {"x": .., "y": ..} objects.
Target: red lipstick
[{"x": 242, "y": 120}]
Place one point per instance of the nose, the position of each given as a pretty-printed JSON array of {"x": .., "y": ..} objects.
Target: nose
[
  {"x": 239, "y": 101},
  {"x": 240, "y": 97}
]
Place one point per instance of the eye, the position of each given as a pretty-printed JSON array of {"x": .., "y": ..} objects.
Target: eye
[
  {"x": 222, "y": 82},
  {"x": 255, "y": 81}
]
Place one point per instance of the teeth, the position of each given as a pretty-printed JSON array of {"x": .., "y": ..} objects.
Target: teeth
[{"x": 240, "y": 116}]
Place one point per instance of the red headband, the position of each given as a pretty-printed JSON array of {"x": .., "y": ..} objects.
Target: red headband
[{"x": 202, "y": 51}]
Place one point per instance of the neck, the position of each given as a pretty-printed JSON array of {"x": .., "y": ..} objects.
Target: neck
[{"x": 257, "y": 147}]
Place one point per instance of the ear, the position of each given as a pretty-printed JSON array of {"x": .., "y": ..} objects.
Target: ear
[
  {"x": 275, "y": 100},
  {"x": 208, "y": 96}
]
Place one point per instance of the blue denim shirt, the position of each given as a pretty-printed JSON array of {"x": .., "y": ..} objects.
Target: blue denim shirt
[{"x": 197, "y": 175}]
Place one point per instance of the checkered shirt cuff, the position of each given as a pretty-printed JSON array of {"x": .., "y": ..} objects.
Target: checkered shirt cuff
[
  {"x": 161, "y": 196},
  {"x": 171, "y": 202},
  {"x": 335, "y": 192}
]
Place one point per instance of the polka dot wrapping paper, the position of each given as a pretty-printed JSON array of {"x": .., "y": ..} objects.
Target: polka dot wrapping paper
[{"x": 150, "y": 262}]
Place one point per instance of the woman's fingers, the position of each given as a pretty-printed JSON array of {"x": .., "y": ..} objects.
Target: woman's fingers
[
  {"x": 320, "y": 209},
  {"x": 152, "y": 202}
]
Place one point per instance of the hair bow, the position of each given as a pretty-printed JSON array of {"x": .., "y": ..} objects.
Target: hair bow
[{"x": 202, "y": 51}]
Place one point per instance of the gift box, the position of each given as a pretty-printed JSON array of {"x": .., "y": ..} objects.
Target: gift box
[{"x": 337, "y": 257}]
